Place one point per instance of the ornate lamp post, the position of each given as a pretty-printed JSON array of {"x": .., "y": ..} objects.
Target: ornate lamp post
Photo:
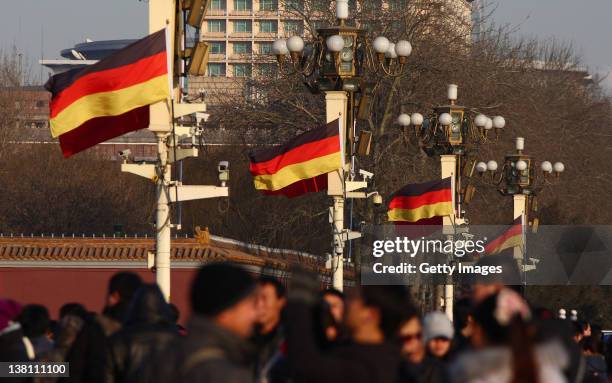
[
  {"x": 518, "y": 178},
  {"x": 335, "y": 62},
  {"x": 451, "y": 132}
]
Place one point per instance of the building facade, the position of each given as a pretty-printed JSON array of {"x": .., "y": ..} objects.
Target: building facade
[{"x": 240, "y": 34}]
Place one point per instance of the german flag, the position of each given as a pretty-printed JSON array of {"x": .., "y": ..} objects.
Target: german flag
[
  {"x": 110, "y": 98},
  {"x": 510, "y": 238},
  {"x": 300, "y": 165},
  {"x": 424, "y": 201}
]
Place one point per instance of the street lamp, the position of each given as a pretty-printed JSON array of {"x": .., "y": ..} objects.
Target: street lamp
[
  {"x": 518, "y": 174},
  {"x": 451, "y": 129},
  {"x": 338, "y": 56},
  {"x": 335, "y": 62}
]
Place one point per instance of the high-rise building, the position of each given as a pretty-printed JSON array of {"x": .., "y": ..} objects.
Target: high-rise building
[{"x": 240, "y": 34}]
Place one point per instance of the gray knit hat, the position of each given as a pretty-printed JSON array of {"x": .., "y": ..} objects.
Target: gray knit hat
[{"x": 437, "y": 325}]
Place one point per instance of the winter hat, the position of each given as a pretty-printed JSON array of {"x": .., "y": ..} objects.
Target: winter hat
[
  {"x": 219, "y": 286},
  {"x": 9, "y": 309},
  {"x": 437, "y": 325}
]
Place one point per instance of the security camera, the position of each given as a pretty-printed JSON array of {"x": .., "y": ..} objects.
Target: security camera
[
  {"x": 125, "y": 154},
  {"x": 223, "y": 169},
  {"x": 366, "y": 174},
  {"x": 377, "y": 199}
]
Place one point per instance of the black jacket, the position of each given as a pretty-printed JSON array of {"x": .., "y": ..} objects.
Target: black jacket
[
  {"x": 148, "y": 328},
  {"x": 352, "y": 362},
  {"x": 430, "y": 370},
  {"x": 208, "y": 354}
]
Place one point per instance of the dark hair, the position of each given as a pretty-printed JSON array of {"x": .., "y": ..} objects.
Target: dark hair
[
  {"x": 578, "y": 329},
  {"x": 592, "y": 344},
  {"x": 462, "y": 310},
  {"x": 34, "y": 320},
  {"x": 219, "y": 286},
  {"x": 279, "y": 288},
  {"x": 323, "y": 319},
  {"x": 174, "y": 311},
  {"x": 75, "y": 309},
  {"x": 515, "y": 334},
  {"x": 334, "y": 292},
  {"x": 125, "y": 283},
  {"x": 394, "y": 304}
]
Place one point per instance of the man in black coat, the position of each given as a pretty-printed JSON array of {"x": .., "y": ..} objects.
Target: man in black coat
[
  {"x": 148, "y": 328},
  {"x": 216, "y": 348}
]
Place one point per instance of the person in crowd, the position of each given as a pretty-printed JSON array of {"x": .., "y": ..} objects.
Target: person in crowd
[
  {"x": 504, "y": 350},
  {"x": 462, "y": 322},
  {"x": 578, "y": 332},
  {"x": 438, "y": 334},
  {"x": 175, "y": 319},
  {"x": 14, "y": 346},
  {"x": 149, "y": 328},
  {"x": 81, "y": 343},
  {"x": 418, "y": 366},
  {"x": 596, "y": 369},
  {"x": 373, "y": 317},
  {"x": 269, "y": 334},
  {"x": 121, "y": 288},
  {"x": 35, "y": 321},
  {"x": 216, "y": 348},
  {"x": 335, "y": 300}
]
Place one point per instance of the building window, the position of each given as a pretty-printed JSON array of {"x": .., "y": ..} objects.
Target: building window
[
  {"x": 242, "y": 70},
  {"x": 216, "y": 26},
  {"x": 268, "y": 5},
  {"x": 294, "y": 27},
  {"x": 265, "y": 48},
  {"x": 268, "y": 70},
  {"x": 294, "y": 5},
  {"x": 268, "y": 26},
  {"x": 217, "y": 47},
  {"x": 243, "y": 26},
  {"x": 243, "y": 5},
  {"x": 398, "y": 5},
  {"x": 217, "y": 5},
  {"x": 216, "y": 70},
  {"x": 242, "y": 47}
]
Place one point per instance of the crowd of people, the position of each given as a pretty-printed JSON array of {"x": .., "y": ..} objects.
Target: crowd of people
[{"x": 243, "y": 329}]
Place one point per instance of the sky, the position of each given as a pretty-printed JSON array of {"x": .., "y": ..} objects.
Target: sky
[{"x": 44, "y": 27}]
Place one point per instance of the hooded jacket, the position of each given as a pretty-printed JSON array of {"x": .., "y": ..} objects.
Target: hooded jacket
[{"x": 148, "y": 328}]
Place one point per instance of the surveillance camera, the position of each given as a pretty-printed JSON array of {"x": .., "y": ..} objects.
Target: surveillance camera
[
  {"x": 125, "y": 154},
  {"x": 366, "y": 174},
  {"x": 223, "y": 166},
  {"x": 377, "y": 199},
  {"x": 223, "y": 169}
]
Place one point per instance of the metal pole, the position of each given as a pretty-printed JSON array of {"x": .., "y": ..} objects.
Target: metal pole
[
  {"x": 448, "y": 164},
  {"x": 338, "y": 259},
  {"x": 162, "y": 221},
  {"x": 336, "y": 105}
]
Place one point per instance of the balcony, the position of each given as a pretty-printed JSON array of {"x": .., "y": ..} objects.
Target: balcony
[
  {"x": 242, "y": 57},
  {"x": 241, "y": 35},
  {"x": 216, "y": 12},
  {"x": 266, "y": 35},
  {"x": 244, "y": 12},
  {"x": 212, "y": 35},
  {"x": 267, "y": 13},
  {"x": 212, "y": 57}
]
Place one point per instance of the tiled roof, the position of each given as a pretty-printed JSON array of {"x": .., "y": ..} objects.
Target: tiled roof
[{"x": 47, "y": 249}]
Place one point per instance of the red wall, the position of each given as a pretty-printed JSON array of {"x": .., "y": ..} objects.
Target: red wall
[{"x": 54, "y": 287}]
